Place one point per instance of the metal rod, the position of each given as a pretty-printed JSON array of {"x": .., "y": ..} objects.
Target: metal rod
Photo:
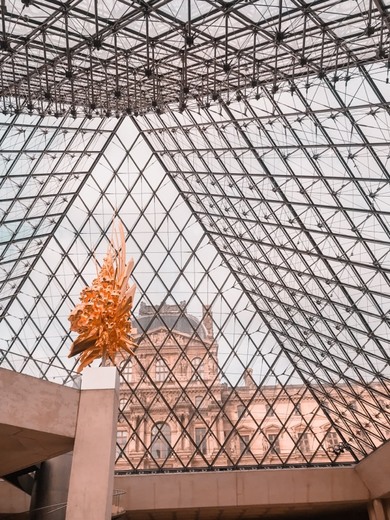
[
  {"x": 29, "y": 103},
  {"x": 369, "y": 16},
  {"x": 69, "y": 60},
  {"x": 47, "y": 93},
  {"x": 127, "y": 84},
  {"x": 254, "y": 58},
  {"x": 92, "y": 101},
  {"x": 96, "y": 20},
  {"x": 117, "y": 91},
  {"x": 3, "y": 12},
  {"x": 303, "y": 59},
  {"x": 189, "y": 39},
  {"x": 226, "y": 64},
  {"x": 2, "y": 89},
  {"x": 148, "y": 71}
]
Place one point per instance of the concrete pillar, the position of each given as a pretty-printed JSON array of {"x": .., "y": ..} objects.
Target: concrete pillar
[
  {"x": 92, "y": 474},
  {"x": 376, "y": 511},
  {"x": 386, "y": 507}
]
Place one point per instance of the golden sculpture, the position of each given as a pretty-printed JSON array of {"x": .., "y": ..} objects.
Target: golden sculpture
[{"x": 102, "y": 319}]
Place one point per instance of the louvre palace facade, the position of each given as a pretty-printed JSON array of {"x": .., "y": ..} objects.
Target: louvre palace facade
[{"x": 177, "y": 412}]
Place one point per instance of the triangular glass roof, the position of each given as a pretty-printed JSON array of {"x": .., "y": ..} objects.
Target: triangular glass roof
[{"x": 245, "y": 147}]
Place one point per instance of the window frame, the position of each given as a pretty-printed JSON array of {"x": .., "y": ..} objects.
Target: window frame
[
  {"x": 200, "y": 434},
  {"x": 160, "y": 440},
  {"x": 161, "y": 370}
]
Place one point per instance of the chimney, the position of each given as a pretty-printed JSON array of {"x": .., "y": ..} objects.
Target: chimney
[{"x": 208, "y": 320}]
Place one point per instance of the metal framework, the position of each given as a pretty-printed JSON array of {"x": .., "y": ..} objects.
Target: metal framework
[{"x": 245, "y": 146}]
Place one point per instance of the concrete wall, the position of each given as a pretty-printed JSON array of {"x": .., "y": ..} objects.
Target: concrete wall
[
  {"x": 374, "y": 471},
  {"x": 258, "y": 491},
  {"x": 255, "y": 489},
  {"x": 30, "y": 406},
  {"x": 28, "y": 402},
  {"x": 37, "y": 420},
  {"x": 92, "y": 473},
  {"x": 12, "y": 500}
]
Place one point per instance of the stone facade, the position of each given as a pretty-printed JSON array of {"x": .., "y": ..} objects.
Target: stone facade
[{"x": 176, "y": 411}]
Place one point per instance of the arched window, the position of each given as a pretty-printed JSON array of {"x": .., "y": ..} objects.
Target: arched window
[
  {"x": 161, "y": 370},
  {"x": 127, "y": 369},
  {"x": 161, "y": 440},
  {"x": 198, "y": 369}
]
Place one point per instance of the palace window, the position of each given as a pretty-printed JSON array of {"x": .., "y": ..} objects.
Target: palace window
[
  {"x": 198, "y": 369},
  {"x": 127, "y": 369},
  {"x": 161, "y": 370},
  {"x": 198, "y": 400},
  {"x": 273, "y": 440},
  {"x": 200, "y": 440},
  {"x": 304, "y": 442},
  {"x": 121, "y": 440},
  {"x": 122, "y": 409},
  {"x": 240, "y": 410},
  {"x": 161, "y": 441},
  {"x": 331, "y": 440},
  {"x": 244, "y": 444}
]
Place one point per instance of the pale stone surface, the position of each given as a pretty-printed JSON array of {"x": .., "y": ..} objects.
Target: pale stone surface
[
  {"x": 12, "y": 500},
  {"x": 28, "y": 402},
  {"x": 99, "y": 378},
  {"x": 374, "y": 471},
  {"x": 271, "y": 488},
  {"x": 37, "y": 420},
  {"x": 92, "y": 473}
]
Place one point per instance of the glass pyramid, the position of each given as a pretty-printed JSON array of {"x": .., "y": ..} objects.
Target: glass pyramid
[{"x": 245, "y": 147}]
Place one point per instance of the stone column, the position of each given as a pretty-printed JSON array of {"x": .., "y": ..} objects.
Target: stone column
[
  {"x": 92, "y": 473},
  {"x": 220, "y": 430}
]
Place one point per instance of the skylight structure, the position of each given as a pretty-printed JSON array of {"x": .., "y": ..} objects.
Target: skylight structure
[{"x": 245, "y": 147}]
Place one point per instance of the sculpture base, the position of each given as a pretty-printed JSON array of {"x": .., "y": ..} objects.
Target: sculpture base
[{"x": 92, "y": 474}]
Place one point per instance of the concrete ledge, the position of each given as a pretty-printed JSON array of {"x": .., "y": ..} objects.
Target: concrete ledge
[
  {"x": 21, "y": 447},
  {"x": 100, "y": 378},
  {"x": 374, "y": 471},
  {"x": 12, "y": 500},
  {"x": 28, "y": 402},
  {"x": 267, "y": 489},
  {"x": 37, "y": 420}
]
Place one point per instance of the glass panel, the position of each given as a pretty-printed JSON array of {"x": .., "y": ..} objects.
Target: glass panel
[{"x": 251, "y": 175}]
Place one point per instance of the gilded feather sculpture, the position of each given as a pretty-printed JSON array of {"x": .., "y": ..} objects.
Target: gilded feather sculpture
[{"x": 103, "y": 317}]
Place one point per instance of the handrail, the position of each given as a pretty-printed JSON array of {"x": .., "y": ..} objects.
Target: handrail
[{"x": 116, "y": 507}]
